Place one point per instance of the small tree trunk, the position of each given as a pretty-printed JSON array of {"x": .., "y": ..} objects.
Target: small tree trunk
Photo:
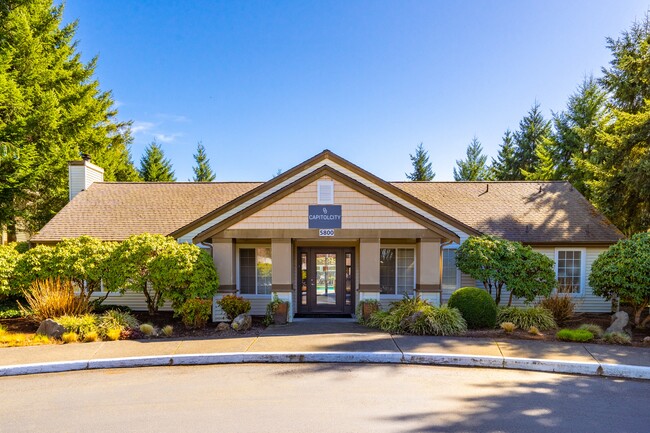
[
  {"x": 150, "y": 304},
  {"x": 637, "y": 315},
  {"x": 510, "y": 300},
  {"x": 497, "y": 297}
]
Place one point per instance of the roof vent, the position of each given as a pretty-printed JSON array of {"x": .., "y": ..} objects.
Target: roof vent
[{"x": 325, "y": 192}]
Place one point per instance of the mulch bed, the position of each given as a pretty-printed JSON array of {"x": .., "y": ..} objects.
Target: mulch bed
[{"x": 164, "y": 318}]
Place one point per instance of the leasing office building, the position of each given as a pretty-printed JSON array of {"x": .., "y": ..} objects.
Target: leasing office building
[{"x": 327, "y": 234}]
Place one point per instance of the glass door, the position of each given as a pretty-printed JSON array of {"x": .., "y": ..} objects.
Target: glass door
[{"x": 326, "y": 280}]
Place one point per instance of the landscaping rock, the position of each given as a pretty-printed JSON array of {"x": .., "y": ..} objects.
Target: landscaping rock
[
  {"x": 619, "y": 322},
  {"x": 50, "y": 328},
  {"x": 243, "y": 322},
  {"x": 646, "y": 340},
  {"x": 223, "y": 326}
]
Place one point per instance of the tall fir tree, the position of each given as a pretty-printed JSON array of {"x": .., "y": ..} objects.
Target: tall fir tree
[
  {"x": 52, "y": 110},
  {"x": 154, "y": 167},
  {"x": 474, "y": 167},
  {"x": 533, "y": 129},
  {"x": 202, "y": 171},
  {"x": 545, "y": 169},
  {"x": 503, "y": 168},
  {"x": 422, "y": 170}
]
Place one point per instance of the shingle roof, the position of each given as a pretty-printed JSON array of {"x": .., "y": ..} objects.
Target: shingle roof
[{"x": 532, "y": 212}]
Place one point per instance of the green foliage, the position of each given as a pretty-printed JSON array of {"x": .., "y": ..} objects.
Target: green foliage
[
  {"x": 197, "y": 276},
  {"x": 524, "y": 318},
  {"x": 51, "y": 110},
  {"x": 577, "y": 335},
  {"x": 533, "y": 130},
  {"x": 623, "y": 272},
  {"x": 373, "y": 304},
  {"x": 561, "y": 306},
  {"x": 421, "y": 166},
  {"x": 9, "y": 309},
  {"x": 147, "y": 329},
  {"x": 617, "y": 338},
  {"x": 474, "y": 167},
  {"x": 168, "y": 330},
  {"x": 154, "y": 167},
  {"x": 37, "y": 263},
  {"x": 52, "y": 298},
  {"x": 476, "y": 305},
  {"x": 545, "y": 168},
  {"x": 508, "y": 327},
  {"x": 8, "y": 259},
  {"x": 593, "y": 328},
  {"x": 194, "y": 312},
  {"x": 272, "y": 307},
  {"x": 504, "y": 167},
  {"x": 202, "y": 171},
  {"x": 234, "y": 305},
  {"x": 416, "y": 316},
  {"x": 116, "y": 319},
  {"x": 80, "y": 325},
  {"x": 498, "y": 262},
  {"x": 70, "y": 337}
]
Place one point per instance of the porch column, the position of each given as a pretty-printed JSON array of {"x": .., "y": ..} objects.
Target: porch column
[
  {"x": 369, "y": 269},
  {"x": 282, "y": 270},
  {"x": 428, "y": 272},
  {"x": 223, "y": 255}
]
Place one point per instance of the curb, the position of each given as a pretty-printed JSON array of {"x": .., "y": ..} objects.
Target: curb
[{"x": 542, "y": 365}]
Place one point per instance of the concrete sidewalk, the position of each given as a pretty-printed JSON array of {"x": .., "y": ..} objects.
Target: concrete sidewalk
[{"x": 335, "y": 341}]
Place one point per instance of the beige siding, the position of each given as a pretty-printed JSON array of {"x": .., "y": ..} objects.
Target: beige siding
[
  {"x": 359, "y": 211},
  {"x": 135, "y": 301},
  {"x": 258, "y": 307}
]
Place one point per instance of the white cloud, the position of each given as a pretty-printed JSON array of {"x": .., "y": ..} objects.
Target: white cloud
[
  {"x": 139, "y": 126},
  {"x": 166, "y": 138},
  {"x": 172, "y": 117}
]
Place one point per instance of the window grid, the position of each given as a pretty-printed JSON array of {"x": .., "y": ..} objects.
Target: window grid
[
  {"x": 255, "y": 271},
  {"x": 397, "y": 271},
  {"x": 449, "y": 270},
  {"x": 569, "y": 271}
]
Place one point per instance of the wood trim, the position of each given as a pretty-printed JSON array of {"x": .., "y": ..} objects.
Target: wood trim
[
  {"x": 228, "y": 288},
  {"x": 428, "y": 288},
  {"x": 311, "y": 177},
  {"x": 371, "y": 288},
  {"x": 282, "y": 288},
  {"x": 311, "y": 235}
]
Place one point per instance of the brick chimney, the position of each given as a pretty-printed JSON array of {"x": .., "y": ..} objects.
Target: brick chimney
[{"x": 82, "y": 174}]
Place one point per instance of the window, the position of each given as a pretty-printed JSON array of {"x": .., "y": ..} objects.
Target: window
[
  {"x": 325, "y": 192},
  {"x": 570, "y": 270},
  {"x": 255, "y": 271},
  {"x": 397, "y": 270},
  {"x": 449, "y": 270}
]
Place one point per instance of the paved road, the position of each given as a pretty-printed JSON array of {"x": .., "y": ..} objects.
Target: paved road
[{"x": 320, "y": 398}]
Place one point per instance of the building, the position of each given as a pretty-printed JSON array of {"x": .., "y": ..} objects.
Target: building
[{"x": 327, "y": 234}]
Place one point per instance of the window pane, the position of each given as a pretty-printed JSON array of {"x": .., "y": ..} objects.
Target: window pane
[
  {"x": 387, "y": 271},
  {"x": 569, "y": 271},
  {"x": 247, "y": 270},
  {"x": 264, "y": 270},
  {"x": 405, "y": 270},
  {"x": 449, "y": 274}
]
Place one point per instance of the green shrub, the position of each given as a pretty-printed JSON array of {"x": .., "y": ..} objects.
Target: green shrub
[
  {"x": 617, "y": 338},
  {"x": 116, "y": 319},
  {"x": 385, "y": 321},
  {"x": 524, "y": 318},
  {"x": 594, "y": 329},
  {"x": 561, "y": 306},
  {"x": 91, "y": 336},
  {"x": 168, "y": 330},
  {"x": 80, "y": 325},
  {"x": 70, "y": 337},
  {"x": 533, "y": 330},
  {"x": 234, "y": 305},
  {"x": 113, "y": 334},
  {"x": 372, "y": 305},
  {"x": 195, "y": 312},
  {"x": 53, "y": 298},
  {"x": 578, "y": 335},
  {"x": 476, "y": 305},
  {"x": 103, "y": 308},
  {"x": 445, "y": 320},
  {"x": 509, "y": 327},
  {"x": 9, "y": 309},
  {"x": 147, "y": 329},
  {"x": 8, "y": 259}
]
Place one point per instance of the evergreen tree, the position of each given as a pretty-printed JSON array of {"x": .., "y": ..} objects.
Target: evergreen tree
[
  {"x": 154, "y": 167},
  {"x": 533, "y": 129},
  {"x": 202, "y": 171},
  {"x": 503, "y": 168},
  {"x": 422, "y": 170},
  {"x": 545, "y": 168},
  {"x": 53, "y": 108},
  {"x": 474, "y": 167}
]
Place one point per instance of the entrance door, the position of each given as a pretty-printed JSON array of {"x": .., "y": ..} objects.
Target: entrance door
[{"x": 326, "y": 280}]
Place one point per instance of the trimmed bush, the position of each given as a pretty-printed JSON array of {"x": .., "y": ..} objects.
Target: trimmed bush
[
  {"x": 561, "y": 306},
  {"x": 234, "y": 305},
  {"x": 594, "y": 329},
  {"x": 80, "y": 325},
  {"x": 577, "y": 335},
  {"x": 147, "y": 329},
  {"x": 195, "y": 312},
  {"x": 476, "y": 305},
  {"x": 617, "y": 338},
  {"x": 524, "y": 318}
]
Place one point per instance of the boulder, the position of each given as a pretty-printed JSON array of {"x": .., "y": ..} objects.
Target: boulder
[
  {"x": 619, "y": 322},
  {"x": 223, "y": 326},
  {"x": 243, "y": 322},
  {"x": 646, "y": 340},
  {"x": 50, "y": 328}
]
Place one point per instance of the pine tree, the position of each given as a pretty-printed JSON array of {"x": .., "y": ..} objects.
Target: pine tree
[
  {"x": 52, "y": 107},
  {"x": 533, "y": 129},
  {"x": 474, "y": 167},
  {"x": 154, "y": 167},
  {"x": 422, "y": 170},
  {"x": 503, "y": 168},
  {"x": 202, "y": 171},
  {"x": 545, "y": 168}
]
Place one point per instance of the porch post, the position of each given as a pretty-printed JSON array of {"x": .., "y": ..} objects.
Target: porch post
[
  {"x": 282, "y": 270},
  {"x": 428, "y": 270},
  {"x": 369, "y": 269},
  {"x": 223, "y": 255}
]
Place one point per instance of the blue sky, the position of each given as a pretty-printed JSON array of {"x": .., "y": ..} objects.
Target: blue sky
[{"x": 265, "y": 85}]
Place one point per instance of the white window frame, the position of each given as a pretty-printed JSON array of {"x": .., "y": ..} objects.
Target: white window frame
[
  {"x": 415, "y": 264},
  {"x": 321, "y": 185},
  {"x": 583, "y": 269},
  {"x": 458, "y": 273},
  {"x": 253, "y": 295}
]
